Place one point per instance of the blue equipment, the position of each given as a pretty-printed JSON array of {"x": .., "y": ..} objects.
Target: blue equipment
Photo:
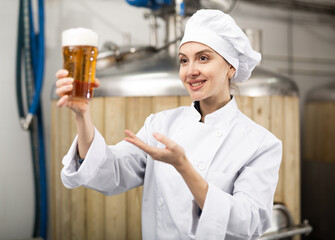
[
  {"x": 30, "y": 59},
  {"x": 152, "y": 4}
]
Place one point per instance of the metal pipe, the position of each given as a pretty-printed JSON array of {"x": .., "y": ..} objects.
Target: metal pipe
[
  {"x": 153, "y": 31},
  {"x": 313, "y": 7},
  {"x": 288, "y": 232}
]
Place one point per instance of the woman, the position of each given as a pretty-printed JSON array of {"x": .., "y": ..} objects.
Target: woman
[{"x": 208, "y": 171}]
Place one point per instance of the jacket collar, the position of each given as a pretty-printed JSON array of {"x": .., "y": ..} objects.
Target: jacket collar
[{"x": 220, "y": 117}]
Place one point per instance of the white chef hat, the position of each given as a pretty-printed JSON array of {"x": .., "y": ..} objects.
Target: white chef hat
[{"x": 220, "y": 32}]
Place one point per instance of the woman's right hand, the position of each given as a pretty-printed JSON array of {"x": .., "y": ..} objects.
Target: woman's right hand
[
  {"x": 85, "y": 127},
  {"x": 64, "y": 85}
]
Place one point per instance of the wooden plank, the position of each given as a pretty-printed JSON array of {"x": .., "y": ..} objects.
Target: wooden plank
[
  {"x": 78, "y": 213},
  {"x": 185, "y": 100},
  {"x": 330, "y": 156},
  {"x": 95, "y": 200},
  {"x": 326, "y": 132},
  {"x": 54, "y": 169},
  {"x": 261, "y": 111},
  {"x": 164, "y": 103},
  {"x": 137, "y": 109},
  {"x": 277, "y": 128},
  {"x": 115, "y": 206},
  {"x": 78, "y": 202},
  {"x": 310, "y": 129},
  {"x": 291, "y": 152},
  {"x": 319, "y": 133},
  {"x": 64, "y": 129},
  {"x": 245, "y": 104}
]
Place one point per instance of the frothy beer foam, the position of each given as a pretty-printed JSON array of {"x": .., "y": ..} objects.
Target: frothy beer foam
[{"x": 79, "y": 37}]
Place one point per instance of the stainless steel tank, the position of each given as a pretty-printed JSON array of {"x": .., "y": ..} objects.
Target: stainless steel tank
[
  {"x": 157, "y": 75},
  {"x": 318, "y": 165},
  {"x": 153, "y": 75}
]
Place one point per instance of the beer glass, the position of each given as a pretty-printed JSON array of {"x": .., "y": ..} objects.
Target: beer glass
[{"x": 80, "y": 50}]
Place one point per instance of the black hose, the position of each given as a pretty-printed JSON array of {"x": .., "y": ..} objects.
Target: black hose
[{"x": 19, "y": 49}]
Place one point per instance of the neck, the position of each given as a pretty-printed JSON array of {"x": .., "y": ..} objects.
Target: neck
[{"x": 207, "y": 106}]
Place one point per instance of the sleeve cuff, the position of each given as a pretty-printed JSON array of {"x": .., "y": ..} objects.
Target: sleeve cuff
[
  {"x": 213, "y": 221},
  {"x": 75, "y": 174}
]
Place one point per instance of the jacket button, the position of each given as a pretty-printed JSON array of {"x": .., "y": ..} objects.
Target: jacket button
[
  {"x": 160, "y": 201},
  {"x": 201, "y": 166},
  {"x": 218, "y": 133}
]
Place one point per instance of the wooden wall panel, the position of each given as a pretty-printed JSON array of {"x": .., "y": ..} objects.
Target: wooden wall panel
[
  {"x": 319, "y": 133},
  {"x": 185, "y": 100},
  {"x": 85, "y": 214},
  {"x": 261, "y": 111},
  {"x": 137, "y": 109},
  {"x": 159, "y": 104},
  {"x": 115, "y": 206},
  {"x": 309, "y": 133},
  {"x": 55, "y": 158},
  {"x": 64, "y": 208},
  {"x": 330, "y": 139},
  {"x": 245, "y": 104},
  {"x": 321, "y": 140},
  {"x": 291, "y": 157},
  {"x": 78, "y": 201},
  {"x": 95, "y": 201},
  {"x": 325, "y": 130},
  {"x": 277, "y": 128}
]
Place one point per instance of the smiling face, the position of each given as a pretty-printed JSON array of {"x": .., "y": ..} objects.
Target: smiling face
[{"x": 204, "y": 73}]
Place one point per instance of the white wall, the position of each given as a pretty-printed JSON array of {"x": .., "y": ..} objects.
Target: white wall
[
  {"x": 16, "y": 186},
  {"x": 312, "y": 41}
]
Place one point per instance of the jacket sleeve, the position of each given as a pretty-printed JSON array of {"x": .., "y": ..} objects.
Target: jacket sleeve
[
  {"x": 108, "y": 169},
  {"x": 247, "y": 213}
]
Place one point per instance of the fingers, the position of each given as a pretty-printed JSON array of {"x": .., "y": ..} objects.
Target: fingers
[
  {"x": 152, "y": 151},
  {"x": 163, "y": 139},
  {"x": 62, "y": 73},
  {"x": 172, "y": 154},
  {"x": 132, "y": 138},
  {"x": 64, "y": 86},
  {"x": 63, "y": 101},
  {"x": 96, "y": 83},
  {"x": 64, "y": 81},
  {"x": 63, "y": 78}
]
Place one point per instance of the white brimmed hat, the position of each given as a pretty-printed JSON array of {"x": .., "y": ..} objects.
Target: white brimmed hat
[{"x": 219, "y": 31}]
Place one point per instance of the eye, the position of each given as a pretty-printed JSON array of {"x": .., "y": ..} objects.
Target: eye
[
  {"x": 182, "y": 60},
  {"x": 203, "y": 58}
]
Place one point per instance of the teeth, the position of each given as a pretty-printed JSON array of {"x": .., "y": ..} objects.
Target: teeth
[{"x": 196, "y": 84}]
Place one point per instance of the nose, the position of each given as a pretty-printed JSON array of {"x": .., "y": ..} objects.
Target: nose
[{"x": 192, "y": 70}]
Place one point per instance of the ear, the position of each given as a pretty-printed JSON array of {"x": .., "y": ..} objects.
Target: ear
[{"x": 231, "y": 71}]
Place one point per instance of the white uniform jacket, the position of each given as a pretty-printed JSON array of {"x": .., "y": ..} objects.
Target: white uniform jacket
[{"x": 238, "y": 158}]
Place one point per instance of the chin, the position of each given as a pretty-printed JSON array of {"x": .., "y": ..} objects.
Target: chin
[{"x": 196, "y": 97}]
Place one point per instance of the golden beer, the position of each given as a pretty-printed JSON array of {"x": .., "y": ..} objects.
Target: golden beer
[{"x": 80, "y": 53}]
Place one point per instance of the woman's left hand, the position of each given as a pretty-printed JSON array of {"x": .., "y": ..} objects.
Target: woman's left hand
[{"x": 172, "y": 153}]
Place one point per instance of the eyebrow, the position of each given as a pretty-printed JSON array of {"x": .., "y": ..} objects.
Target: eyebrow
[{"x": 198, "y": 53}]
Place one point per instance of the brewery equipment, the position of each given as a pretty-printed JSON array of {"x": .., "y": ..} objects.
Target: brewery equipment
[
  {"x": 29, "y": 82},
  {"x": 318, "y": 160},
  {"x": 139, "y": 80},
  {"x": 283, "y": 226}
]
